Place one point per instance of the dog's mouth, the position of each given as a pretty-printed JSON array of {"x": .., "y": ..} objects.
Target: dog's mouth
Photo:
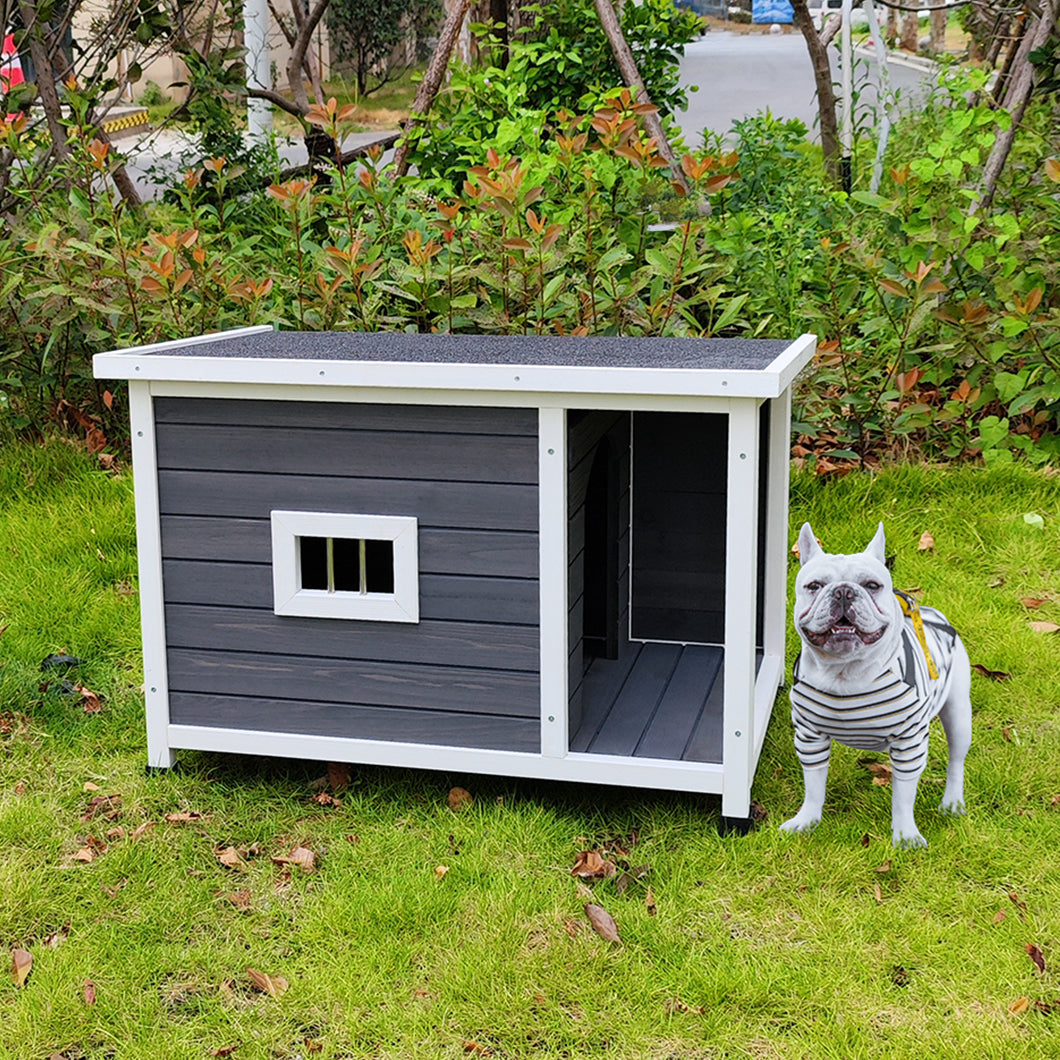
[{"x": 842, "y": 634}]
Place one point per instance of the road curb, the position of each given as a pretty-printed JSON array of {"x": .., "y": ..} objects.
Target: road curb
[{"x": 914, "y": 62}]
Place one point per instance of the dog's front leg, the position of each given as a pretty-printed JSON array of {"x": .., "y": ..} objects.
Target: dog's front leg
[
  {"x": 904, "y": 832},
  {"x": 815, "y": 781}
]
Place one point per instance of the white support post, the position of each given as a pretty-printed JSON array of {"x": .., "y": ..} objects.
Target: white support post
[
  {"x": 552, "y": 549},
  {"x": 149, "y": 552},
  {"x": 259, "y": 67},
  {"x": 775, "y": 618},
  {"x": 741, "y": 566}
]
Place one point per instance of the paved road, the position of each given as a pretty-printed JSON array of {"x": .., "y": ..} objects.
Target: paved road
[{"x": 740, "y": 75}]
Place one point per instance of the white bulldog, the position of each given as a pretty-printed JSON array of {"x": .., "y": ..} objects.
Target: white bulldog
[{"x": 867, "y": 679}]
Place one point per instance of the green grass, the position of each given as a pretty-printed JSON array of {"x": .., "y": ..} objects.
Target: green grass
[{"x": 763, "y": 946}]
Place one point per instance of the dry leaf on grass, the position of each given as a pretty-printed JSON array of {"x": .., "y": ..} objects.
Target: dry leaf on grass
[
  {"x": 589, "y": 865},
  {"x": 1019, "y": 1006},
  {"x": 649, "y": 903},
  {"x": 877, "y": 890},
  {"x": 21, "y": 965},
  {"x": 85, "y": 854},
  {"x": 301, "y": 856},
  {"x": 459, "y": 799},
  {"x": 57, "y": 938},
  {"x": 675, "y": 1004},
  {"x": 140, "y": 830},
  {"x": 926, "y": 542},
  {"x": 273, "y": 985},
  {"x": 881, "y": 771},
  {"x": 185, "y": 817},
  {"x": 440, "y": 871},
  {"x": 89, "y": 786},
  {"x": 240, "y": 899},
  {"x": 994, "y": 675},
  {"x": 603, "y": 922},
  {"x": 1044, "y": 627},
  {"x": 229, "y": 857},
  {"x": 224, "y": 1051},
  {"x": 471, "y": 1046},
  {"x": 88, "y": 992},
  {"x": 1037, "y": 956},
  {"x": 1033, "y": 602},
  {"x": 999, "y": 916},
  {"x": 325, "y": 799},
  {"x": 108, "y": 806}
]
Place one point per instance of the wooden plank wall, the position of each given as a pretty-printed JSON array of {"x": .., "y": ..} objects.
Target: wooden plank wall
[
  {"x": 465, "y": 675},
  {"x": 586, "y": 431}
]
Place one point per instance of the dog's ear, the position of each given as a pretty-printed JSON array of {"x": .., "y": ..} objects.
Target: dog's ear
[
  {"x": 877, "y": 548},
  {"x": 808, "y": 547}
]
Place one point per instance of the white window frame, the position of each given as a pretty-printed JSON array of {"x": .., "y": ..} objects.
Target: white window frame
[{"x": 289, "y": 598}]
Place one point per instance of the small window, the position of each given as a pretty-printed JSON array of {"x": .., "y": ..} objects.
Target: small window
[{"x": 328, "y": 565}]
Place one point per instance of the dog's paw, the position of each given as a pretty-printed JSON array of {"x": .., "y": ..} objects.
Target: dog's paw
[
  {"x": 952, "y": 807},
  {"x": 908, "y": 840},
  {"x": 801, "y": 822}
]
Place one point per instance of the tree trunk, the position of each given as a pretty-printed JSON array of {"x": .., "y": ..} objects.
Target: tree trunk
[
  {"x": 44, "y": 75},
  {"x": 1017, "y": 94},
  {"x": 822, "y": 75},
  {"x": 938, "y": 28},
  {"x": 432, "y": 81},
  {"x": 910, "y": 32},
  {"x": 631, "y": 75},
  {"x": 892, "y": 27}
]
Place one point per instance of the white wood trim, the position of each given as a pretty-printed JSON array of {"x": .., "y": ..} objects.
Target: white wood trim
[
  {"x": 149, "y": 559},
  {"x": 775, "y": 618},
  {"x": 469, "y": 398},
  {"x": 194, "y": 340},
  {"x": 433, "y": 375},
  {"x": 741, "y": 547},
  {"x": 290, "y": 598},
  {"x": 553, "y": 589},
  {"x": 770, "y": 676},
  {"x": 705, "y": 777},
  {"x": 788, "y": 364}
]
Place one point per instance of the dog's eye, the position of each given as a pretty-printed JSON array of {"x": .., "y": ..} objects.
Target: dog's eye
[
  {"x": 873, "y": 586},
  {"x": 813, "y": 586}
]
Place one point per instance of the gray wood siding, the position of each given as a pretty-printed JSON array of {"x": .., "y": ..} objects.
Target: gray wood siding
[{"x": 468, "y": 671}]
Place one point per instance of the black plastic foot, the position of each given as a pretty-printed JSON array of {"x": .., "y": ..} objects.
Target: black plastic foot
[{"x": 737, "y": 826}]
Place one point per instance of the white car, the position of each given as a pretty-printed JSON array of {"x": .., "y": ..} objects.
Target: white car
[{"x": 822, "y": 10}]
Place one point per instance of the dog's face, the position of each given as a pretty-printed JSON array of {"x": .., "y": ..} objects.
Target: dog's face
[{"x": 845, "y": 608}]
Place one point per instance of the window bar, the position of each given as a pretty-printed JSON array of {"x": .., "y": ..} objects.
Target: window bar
[
  {"x": 363, "y": 550},
  {"x": 331, "y": 564}
]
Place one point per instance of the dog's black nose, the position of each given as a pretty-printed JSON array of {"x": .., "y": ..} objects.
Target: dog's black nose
[{"x": 843, "y": 592}]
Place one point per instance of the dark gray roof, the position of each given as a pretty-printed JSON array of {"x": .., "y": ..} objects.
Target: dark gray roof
[{"x": 400, "y": 347}]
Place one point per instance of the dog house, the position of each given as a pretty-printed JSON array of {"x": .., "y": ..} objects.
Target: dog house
[{"x": 531, "y": 556}]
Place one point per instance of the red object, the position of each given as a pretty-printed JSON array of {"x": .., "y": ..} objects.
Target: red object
[{"x": 10, "y": 69}]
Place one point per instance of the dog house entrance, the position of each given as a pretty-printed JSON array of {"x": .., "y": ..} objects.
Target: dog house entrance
[{"x": 647, "y": 669}]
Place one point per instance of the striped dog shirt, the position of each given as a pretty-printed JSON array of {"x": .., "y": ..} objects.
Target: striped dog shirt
[{"x": 892, "y": 715}]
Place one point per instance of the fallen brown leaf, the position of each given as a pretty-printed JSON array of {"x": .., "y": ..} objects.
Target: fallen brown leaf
[
  {"x": 877, "y": 890},
  {"x": 1036, "y": 955},
  {"x": 649, "y": 903},
  {"x": 300, "y": 856},
  {"x": 140, "y": 830},
  {"x": 89, "y": 786},
  {"x": 572, "y": 927},
  {"x": 114, "y": 834},
  {"x": 459, "y": 799},
  {"x": 881, "y": 771},
  {"x": 994, "y": 675},
  {"x": 21, "y": 966},
  {"x": 926, "y": 542},
  {"x": 57, "y": 938},
  {"x": 1033, "y": 602},
  {"x": 471, "y": 1046},
  {"x": 999, "y": 916},
  {"x": 1019, "y": 1006},
  {"x": 603, "y": 922},
  {"x": 92, "y": 702},
  {"x": 224, "y": 1051},
  {"x": 1021, "y": 906},
  {"x": 108, "y": 806},
  {"x": 273, "y": 985},
  {"x": 589, "y": 865},
  {"x": 675, "y": 1004},
  {"x": 20, "y": 788},
  {"x": 440, "y": 871},
  {"x": 85, "y": 854},
  {"x": 326, "y": 799},
  {"x": 1044, "y": 627},
  {"x": 88, "y": 992},
  {"x": 229, "y": 857},
  {"x": 240, "y": 899},
  {"x": 185, "y": 817},
  {"x": 885, "y": 867}
]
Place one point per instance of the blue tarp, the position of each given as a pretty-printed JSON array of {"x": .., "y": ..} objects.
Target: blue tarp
[{"x": 771, "y": 11}]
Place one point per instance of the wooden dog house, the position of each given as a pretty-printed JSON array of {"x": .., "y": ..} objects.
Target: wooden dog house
[{"x": 531, "y": 556}]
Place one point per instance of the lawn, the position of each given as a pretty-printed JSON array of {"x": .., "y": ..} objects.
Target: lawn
[{"x": 428, "y": 931}]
